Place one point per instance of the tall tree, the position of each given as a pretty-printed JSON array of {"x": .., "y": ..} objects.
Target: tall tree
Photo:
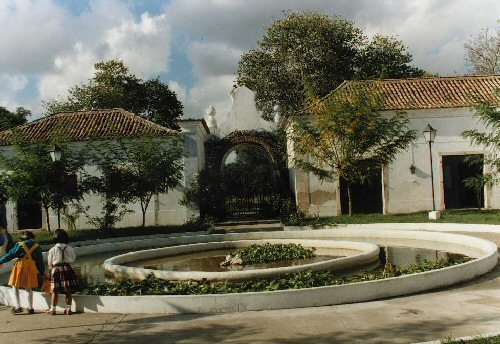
[
  {"x": 346, "y": 136},
  {"x": 310, "y": 54},
  {"x": 113, "y": 86},
  {"x": 385, "y": 57},
  {"x": 10, "y": 120},
  {"x": 482, "y": 52}
]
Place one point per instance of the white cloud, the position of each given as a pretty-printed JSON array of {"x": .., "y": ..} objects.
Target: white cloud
[
  {"x": 221, "y": 30},
  {"x": 143, "y": 45},
  {"x": 14, "y": 82},
  {"x": 208, "y": 91},
  {"x": 212, "y": 59},
  {"x": 179, "y": 90},
  {"x": 32, "y": 33},
  {"x": 69, "y": 69},
  {"x": 13, "y": 93},
  {"x": 45, "y": 43}
]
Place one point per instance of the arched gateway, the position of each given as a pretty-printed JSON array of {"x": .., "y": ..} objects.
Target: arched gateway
[{"x": 249, "y": 167}]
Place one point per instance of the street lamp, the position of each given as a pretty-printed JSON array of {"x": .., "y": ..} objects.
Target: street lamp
[
  {"x": 56, "y": 154},
  {"x": 430, "y": 135}
]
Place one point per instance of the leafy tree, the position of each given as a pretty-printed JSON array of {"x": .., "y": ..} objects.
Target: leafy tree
[
  {"x": 30, "y": 175},
  {"x": 482, "y": 52},
  {"x": 385, "y": 57},
  {"x": 153, "y": 167},
  {"x": 113, "y": 86},
  {"x": 110, "y": 182},
  {"x": 310, "y": 54},
  {"x": 132, "y": 170},
  {"x": 207, "y": 193},
  {"x": 347, "y": 137},
  {"x": 489, "y": 114},
  {"x": 10, "y": 120}
]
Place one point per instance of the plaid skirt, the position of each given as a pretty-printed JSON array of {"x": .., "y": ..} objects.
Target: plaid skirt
[{"x": 63, "y": 279}]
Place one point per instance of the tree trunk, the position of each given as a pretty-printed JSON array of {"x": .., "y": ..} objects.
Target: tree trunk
[
  {"x": 144, "y": 207},
  {"x": 143, "y": 217},
  {"x": 349, "y": 197},
  {"x": 47, "y": 216}
]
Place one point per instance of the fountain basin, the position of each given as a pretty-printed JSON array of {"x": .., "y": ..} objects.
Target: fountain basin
[
  {"x": 354, "y": 254},
  {"x": 484, "y": 251}
]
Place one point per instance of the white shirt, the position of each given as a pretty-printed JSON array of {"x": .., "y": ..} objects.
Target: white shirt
[{"x": 55, "y": 255}]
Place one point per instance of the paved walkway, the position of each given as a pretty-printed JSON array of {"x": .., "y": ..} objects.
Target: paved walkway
[{"x": 468, "y": 309}]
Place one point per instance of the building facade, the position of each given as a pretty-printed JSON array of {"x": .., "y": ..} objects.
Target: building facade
[
  {"x": 446, "y": 104},
  {"x": 79, "y": 128}
]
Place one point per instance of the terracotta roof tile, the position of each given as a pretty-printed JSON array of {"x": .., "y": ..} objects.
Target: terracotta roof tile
[
  {"x": 106, "y": 124},
  {"x": 433, "y": 93}
]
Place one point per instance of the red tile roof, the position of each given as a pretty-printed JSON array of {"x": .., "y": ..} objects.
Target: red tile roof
[
  {"x": 107, "y": 124},
  {"x": 433, "y": 93}
]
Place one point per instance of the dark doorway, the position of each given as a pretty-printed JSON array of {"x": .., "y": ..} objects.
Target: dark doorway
[
  {"x": 250, "y": 178},
  {"x": 3, "y": 213},
  {"x": 29, "y": 215},
  {"x": 366, "y": 198},
  {"x": 456, "y": 169}
]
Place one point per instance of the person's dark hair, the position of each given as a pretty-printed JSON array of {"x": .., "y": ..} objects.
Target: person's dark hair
[
  {"x": 27, "y": 235},
  {"x": 61, "y": 237}
]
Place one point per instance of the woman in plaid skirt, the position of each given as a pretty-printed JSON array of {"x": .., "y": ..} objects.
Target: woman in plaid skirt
[{"x": 62, "y": 277}]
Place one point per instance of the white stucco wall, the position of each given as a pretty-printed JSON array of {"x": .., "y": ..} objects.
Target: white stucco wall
[
  {"x": 404, "y": 192},
  {"x": 412, "y": 192},
  {"x": 163, "y": 209},
  {"x": 243, "y": 114}
]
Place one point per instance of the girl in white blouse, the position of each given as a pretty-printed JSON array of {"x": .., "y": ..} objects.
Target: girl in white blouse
[{"x": 62, "y": 277}]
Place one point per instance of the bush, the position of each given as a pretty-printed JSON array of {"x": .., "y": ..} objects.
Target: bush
[{"x": 267, "y": 253}]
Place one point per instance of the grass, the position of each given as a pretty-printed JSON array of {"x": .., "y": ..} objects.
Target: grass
[
  {"x": 478, "y": 340},
  {"x": 453, "y": 216},
  {"x": 44, "y": 237},
  {"x": 447, "y": 216}
]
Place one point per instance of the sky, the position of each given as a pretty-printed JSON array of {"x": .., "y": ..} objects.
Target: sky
[{"x": 48, "y": 46}]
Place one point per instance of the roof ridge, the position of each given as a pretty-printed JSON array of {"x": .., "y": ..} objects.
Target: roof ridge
[
  {"x": 79, "y": 125},
  {"x": 447, "y": 77},
  {"x": 147, "y": 121}
]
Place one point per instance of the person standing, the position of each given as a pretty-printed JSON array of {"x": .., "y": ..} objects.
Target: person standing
[
  {"x": 62, "y": 277},
  {"x": 28, "y": 267}
]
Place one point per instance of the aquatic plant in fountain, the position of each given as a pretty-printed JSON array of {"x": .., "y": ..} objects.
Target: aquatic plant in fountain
[{"x": 268, "y": 253}]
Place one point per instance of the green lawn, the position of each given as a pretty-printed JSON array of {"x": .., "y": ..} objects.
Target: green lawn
[
  {"x": 478, "y": 340},
  {"x": 44, "y": 237},
  {"x": 453, "y": 216}
]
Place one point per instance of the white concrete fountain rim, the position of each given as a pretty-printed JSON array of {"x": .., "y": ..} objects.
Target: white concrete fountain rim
[
  {"x": 484, "y": 251},
  {"x": 357, "y": 254}
]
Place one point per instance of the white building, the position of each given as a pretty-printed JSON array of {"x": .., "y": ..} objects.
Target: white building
[
  {"x": 77, "y": 128},
  {"x": 405, "y": 185}
]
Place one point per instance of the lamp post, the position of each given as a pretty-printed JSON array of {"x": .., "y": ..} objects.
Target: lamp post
[
  {"x": 430, "y": 135},
  {"x": 56, "y": 154}
]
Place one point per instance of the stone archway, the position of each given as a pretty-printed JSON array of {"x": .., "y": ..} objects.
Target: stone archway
[{"x": 218, "y": 150}]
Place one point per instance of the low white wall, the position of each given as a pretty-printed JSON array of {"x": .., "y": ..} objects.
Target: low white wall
[
  {"x": 357, "y": 253},
  {"x": 484, "y": 251}
]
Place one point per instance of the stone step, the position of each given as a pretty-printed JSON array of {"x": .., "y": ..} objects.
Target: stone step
[
  {"x": 249, "y": 221},
  {"x": 248, "y": 226}
]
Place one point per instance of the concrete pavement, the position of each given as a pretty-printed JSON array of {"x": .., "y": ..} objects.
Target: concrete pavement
[{"x": 469, "y": 309}]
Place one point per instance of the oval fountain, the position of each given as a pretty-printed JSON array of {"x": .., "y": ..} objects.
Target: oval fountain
[{"x": 483, "y": 252}]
